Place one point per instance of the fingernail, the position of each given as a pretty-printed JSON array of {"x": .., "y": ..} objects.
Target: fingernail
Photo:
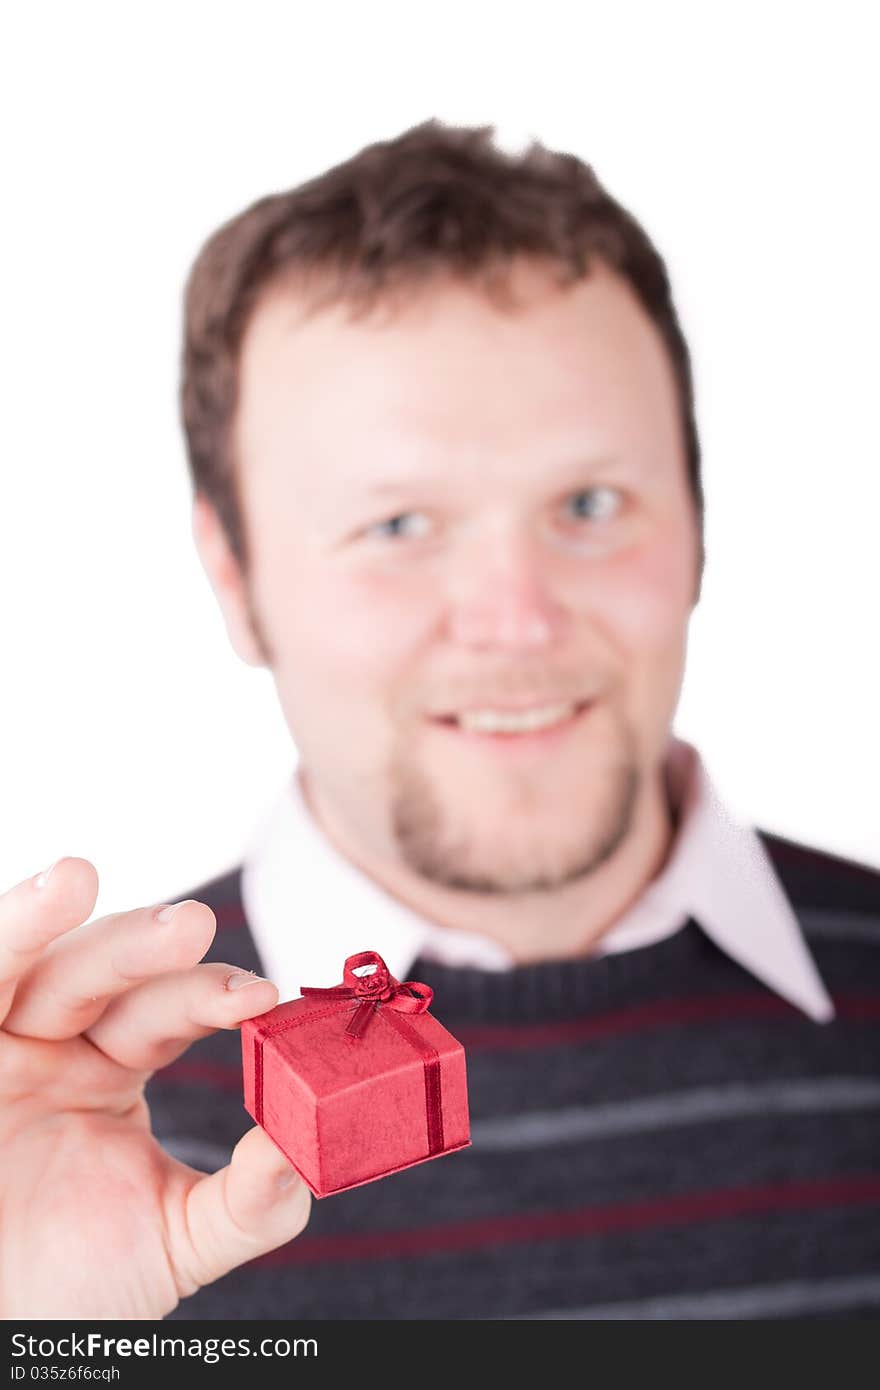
[
  {"x": 239, "y": 978},
  {"x": 42, "y": 879},
  {"x": 166, "y": 913}
]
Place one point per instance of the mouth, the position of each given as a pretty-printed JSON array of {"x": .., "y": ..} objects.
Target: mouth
[{"x": 538, "y": 726}]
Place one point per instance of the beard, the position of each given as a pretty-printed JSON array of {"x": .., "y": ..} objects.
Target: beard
[{"x": 524, "y": 855}]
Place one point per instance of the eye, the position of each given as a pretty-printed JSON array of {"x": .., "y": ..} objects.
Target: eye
[
  {"x": 595, "y": 503},
  {"x": 396, "y": 525}
]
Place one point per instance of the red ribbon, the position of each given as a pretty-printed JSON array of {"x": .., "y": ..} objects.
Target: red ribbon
[
  {"x": 375, "y": 989},
  {"x": 380, "y": 995}
]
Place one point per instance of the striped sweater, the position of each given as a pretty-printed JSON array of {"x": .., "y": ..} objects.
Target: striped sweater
[{"x": 655, "y": 1135}]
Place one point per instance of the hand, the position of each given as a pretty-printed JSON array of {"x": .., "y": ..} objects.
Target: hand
[{"x": 98, "y": 1220}]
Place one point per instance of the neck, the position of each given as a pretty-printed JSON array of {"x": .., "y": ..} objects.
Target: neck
[{"x": 551, "y": 924}]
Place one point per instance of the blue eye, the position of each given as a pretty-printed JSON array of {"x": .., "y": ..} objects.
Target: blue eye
[
  {"x": 393, "y": 526},
  {"x": 594, "y": 511}
]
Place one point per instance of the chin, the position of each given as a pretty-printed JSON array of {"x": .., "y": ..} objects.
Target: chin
[
  {"x": 492, "y": 837},
  {"x": 517, "y": 857}
]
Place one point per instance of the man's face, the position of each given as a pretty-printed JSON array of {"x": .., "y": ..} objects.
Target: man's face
[{"x": 450, "y": 510}]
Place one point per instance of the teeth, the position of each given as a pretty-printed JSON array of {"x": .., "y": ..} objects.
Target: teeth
[{"x": 490, "y": 721}]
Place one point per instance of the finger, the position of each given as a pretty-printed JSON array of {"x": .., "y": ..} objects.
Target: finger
[
  {"x": 155, "y": 1022},
  {"x": 253, "y": 1205},
  {"x": 70, "y": 986},
  {"x": 31, "y": 916},
  {"x": 39, "y": 1078}
]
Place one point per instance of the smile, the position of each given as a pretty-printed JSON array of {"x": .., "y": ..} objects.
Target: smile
[{"x": 537, "y": 724}]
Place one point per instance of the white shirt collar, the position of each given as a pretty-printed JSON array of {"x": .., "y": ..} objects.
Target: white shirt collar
[{"x": 309, "y": 907}]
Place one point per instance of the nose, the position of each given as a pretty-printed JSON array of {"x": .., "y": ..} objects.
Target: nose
[{"x": 502, "y": 595}]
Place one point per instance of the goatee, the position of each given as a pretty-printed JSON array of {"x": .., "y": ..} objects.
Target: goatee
[{"x": 521, "y": 860}]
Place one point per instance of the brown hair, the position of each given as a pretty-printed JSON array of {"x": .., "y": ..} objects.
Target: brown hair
[{"x": 436, "y": 199}]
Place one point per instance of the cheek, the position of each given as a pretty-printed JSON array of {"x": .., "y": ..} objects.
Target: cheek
[
  {"x": 644, "y": 597},
  {"x": 648, "y": 599},
  {"x": 362, "y": 629}
]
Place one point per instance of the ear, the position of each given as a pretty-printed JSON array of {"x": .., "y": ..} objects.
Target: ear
[{"x": 225, "y": 577}]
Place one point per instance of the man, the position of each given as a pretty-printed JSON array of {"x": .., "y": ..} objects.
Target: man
[{"x": 440, "y": 421}]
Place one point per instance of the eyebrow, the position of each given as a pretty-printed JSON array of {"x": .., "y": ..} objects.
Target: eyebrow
[{"x": 570, "y": 471}]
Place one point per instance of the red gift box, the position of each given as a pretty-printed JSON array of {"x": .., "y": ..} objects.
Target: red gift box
[{"x": 356, "y": 1081}]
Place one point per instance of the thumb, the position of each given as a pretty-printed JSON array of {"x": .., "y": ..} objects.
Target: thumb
[{"x": 253, "y": 1205}]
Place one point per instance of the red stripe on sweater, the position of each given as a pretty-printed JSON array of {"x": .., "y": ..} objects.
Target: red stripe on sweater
[
  {"x": 854, "y": 1008},
  {"x": 230, "y": 917},
  {"x": 684, "y": 1209},
  {"x": 218, "y": 1074},
  {"x": 711, "y": 1008}
]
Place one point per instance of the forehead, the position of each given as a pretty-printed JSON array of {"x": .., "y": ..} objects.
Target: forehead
[{"x": 448, "y": 367}]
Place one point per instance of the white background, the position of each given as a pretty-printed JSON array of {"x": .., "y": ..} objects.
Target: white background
[{"x": 743, "y": 137}]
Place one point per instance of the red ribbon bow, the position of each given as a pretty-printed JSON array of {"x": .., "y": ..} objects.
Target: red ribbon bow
[{"x": 373, "y": 990}]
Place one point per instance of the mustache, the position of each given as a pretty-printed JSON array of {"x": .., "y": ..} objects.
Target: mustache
[{"x": 538, "y": 691}]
